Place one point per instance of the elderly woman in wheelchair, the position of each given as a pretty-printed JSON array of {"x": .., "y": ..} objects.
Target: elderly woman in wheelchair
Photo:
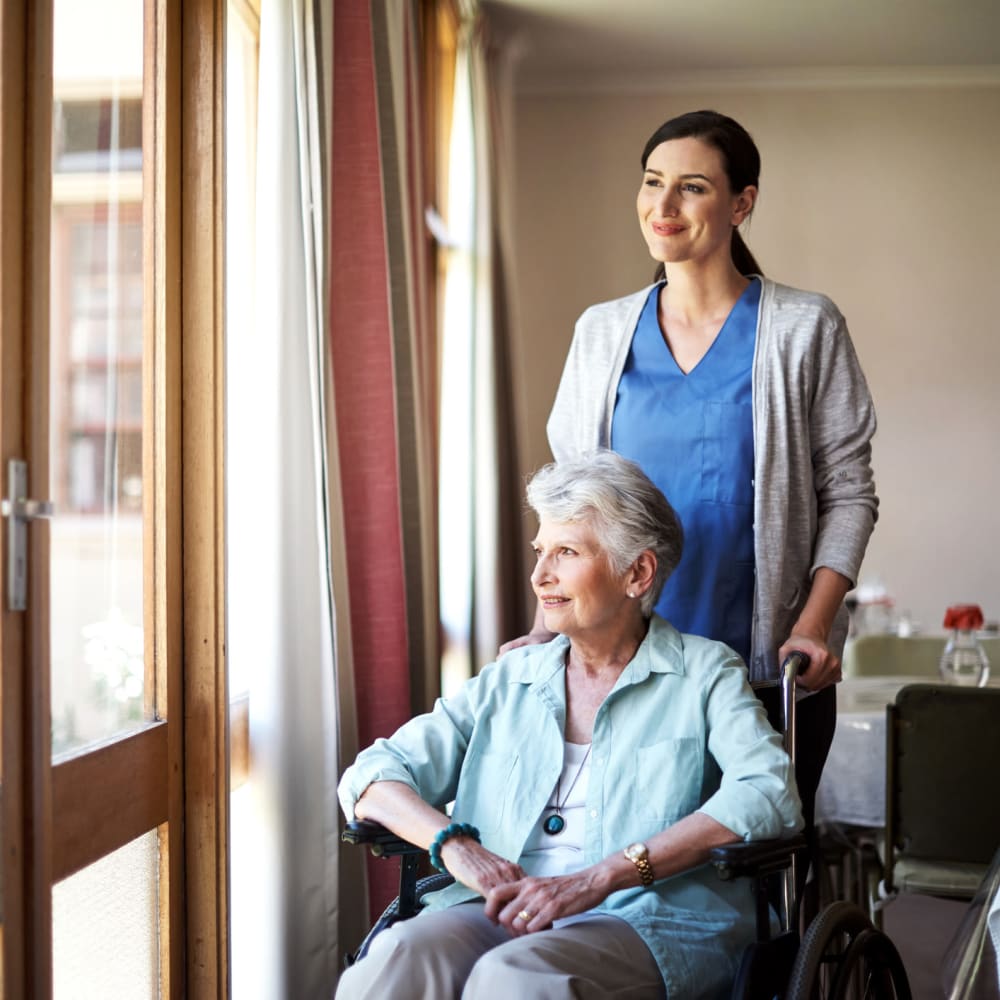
[{"x": 591, "y": 777}]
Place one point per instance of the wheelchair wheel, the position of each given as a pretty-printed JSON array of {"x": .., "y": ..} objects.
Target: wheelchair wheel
[
  {"x": 871, "y": 968},
  {"x": 843, "y": 956},
  {"x": 431, "y": 883}
]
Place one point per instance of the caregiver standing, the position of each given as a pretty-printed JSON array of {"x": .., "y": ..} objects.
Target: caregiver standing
[{"x": 744, "y": 401}]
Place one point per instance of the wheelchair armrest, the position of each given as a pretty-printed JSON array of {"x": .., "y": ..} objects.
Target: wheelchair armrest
[
  {"x": 381, "y": 842},
  {"x": 755, "y": 858}
]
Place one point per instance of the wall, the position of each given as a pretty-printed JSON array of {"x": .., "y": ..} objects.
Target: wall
[{"x": 886, "y": 199}]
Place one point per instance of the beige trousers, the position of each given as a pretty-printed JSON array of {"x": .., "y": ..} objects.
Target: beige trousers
[{"x": 459, "y": 953}]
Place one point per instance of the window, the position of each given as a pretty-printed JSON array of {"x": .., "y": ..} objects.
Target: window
[{"x": 112, "y": 691}]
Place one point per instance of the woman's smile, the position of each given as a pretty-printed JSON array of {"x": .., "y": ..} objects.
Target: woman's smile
[{"x": 554, "y": 602}]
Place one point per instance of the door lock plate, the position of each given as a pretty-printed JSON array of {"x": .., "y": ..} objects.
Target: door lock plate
[{"x": 19, "y": 510}]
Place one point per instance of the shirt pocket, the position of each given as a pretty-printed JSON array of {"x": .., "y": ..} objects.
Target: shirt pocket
[
  {"x": 668, "y": 779},
  {"x": 727, "y": 453},
  {"x": 485, "y": 788}
]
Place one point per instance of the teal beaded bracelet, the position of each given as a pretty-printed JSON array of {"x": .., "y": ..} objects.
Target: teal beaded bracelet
[{"x": 451, "y": 830}]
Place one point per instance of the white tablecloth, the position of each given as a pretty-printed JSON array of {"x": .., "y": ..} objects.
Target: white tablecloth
[{"x": 852, "y": 789}]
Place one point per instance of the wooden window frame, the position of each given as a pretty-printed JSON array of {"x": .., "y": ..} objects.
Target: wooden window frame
[
  {"x": 188, "y": 552},
  {"x": 173, "y": 775}
]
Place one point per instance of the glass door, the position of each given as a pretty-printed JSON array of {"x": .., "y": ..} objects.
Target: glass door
[
  {"x": 113, "y": 740},
  {"x": 105, "y": 914},
  {"x": 85, "y": 743}
]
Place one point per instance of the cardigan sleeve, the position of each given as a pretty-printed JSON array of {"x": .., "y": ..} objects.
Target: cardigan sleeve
[
  {"x": 573, "y": 425},
  {"x": 580, "y": 420},
  {"x": 842, "y": 423}
]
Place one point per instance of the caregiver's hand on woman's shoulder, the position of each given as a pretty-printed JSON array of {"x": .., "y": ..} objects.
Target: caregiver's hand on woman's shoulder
[{"x": 534, "y": 637}]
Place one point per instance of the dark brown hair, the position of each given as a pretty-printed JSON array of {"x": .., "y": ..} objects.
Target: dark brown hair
[{"x": 740, "y": 158}]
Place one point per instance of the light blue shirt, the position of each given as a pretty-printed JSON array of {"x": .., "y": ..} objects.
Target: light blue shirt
[{"x": 681, "y": 731}]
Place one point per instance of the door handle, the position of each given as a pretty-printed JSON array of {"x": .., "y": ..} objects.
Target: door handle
[
  {"x": 19, "y": 510},
  {"x": 26, "y": 510}
]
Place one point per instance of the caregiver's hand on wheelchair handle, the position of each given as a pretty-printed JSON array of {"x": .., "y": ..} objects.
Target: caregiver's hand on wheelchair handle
[{"x": 823, "y": 668}]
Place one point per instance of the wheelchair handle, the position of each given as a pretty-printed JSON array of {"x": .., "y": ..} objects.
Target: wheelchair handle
[
  {"x": 796, "y": 661},
  {"x": 794, "y": 664}
]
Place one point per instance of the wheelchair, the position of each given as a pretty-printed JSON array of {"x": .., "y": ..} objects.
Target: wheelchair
[{"x": 840, "y": 956}]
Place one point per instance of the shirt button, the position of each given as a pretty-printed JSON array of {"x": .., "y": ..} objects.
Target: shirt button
[{"x": 593, "y": 814}]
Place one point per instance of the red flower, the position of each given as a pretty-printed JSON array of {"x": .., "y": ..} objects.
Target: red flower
[{"x": 963, "y": 616}]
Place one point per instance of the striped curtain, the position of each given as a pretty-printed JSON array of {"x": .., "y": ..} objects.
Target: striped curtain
[
  {"x": 383, "y": 359},
  {"x": 391, "y": 378}
]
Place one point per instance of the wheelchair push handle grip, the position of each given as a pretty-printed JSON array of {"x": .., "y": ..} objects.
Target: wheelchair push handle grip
[{"x": 796, "y": 662}]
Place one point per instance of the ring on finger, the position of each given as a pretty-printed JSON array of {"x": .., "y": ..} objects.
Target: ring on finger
[{"x": 524, "y": 916}]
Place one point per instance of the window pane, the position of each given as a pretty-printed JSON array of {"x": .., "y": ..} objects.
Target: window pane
[
  {"x": 104, "y": 921},
  {"x": 96, "y": 362}
]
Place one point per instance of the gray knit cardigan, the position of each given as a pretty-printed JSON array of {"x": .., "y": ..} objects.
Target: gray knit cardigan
[{"x": 813, "y": 420}]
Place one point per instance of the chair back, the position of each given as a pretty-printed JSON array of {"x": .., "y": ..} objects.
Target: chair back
[{"x": 943, "y": 745}]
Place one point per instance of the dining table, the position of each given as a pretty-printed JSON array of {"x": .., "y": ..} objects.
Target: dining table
[
  {"x": 851, "y": 791},
  {"x": 850, "y": 807}
]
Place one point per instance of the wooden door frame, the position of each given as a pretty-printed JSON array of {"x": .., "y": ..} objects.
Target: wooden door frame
[
  {"x": 205, "y": 677},
  {"x": 187, "y": 752},
  {"x": 25, "y": 145}
]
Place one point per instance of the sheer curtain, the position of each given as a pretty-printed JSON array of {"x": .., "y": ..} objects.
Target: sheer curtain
[
  {"x": 481, "y": 566},
  {"x": 280, "y": 631}
]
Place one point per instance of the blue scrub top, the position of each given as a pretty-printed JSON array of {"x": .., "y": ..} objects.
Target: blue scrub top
[{"x": 693, "y": 436}]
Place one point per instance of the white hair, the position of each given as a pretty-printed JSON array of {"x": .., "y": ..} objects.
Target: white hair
[{"x": 628, "y": 512}]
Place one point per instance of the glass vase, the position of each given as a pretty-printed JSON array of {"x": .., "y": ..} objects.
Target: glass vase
[{"x": 964, "y": 661}]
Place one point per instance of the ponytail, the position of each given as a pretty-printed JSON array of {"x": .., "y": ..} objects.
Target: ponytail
[{"x": 744, "y": 260}]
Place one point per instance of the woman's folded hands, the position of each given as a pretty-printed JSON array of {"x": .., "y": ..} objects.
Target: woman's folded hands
[
  {"x": 511, "y": 895},
  {"x": 532, "y": 904}
]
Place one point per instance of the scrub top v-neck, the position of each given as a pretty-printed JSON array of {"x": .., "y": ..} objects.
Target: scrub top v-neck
[{"x": 692, "y": 434}]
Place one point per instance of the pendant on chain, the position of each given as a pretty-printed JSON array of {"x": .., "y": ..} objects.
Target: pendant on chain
[{"x": 554, "y": 824}]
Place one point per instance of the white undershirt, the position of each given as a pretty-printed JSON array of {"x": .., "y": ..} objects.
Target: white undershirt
[{"x": 546, "y": 854}]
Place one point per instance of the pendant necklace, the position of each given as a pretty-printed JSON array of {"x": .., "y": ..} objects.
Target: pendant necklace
[{"x": 555, "y": 823}]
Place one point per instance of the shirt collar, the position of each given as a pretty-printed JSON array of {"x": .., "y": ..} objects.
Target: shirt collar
[{"x": 660, "y": 652}]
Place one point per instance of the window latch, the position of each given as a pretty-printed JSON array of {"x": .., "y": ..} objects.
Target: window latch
[{"x": 19, "y": 510}]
